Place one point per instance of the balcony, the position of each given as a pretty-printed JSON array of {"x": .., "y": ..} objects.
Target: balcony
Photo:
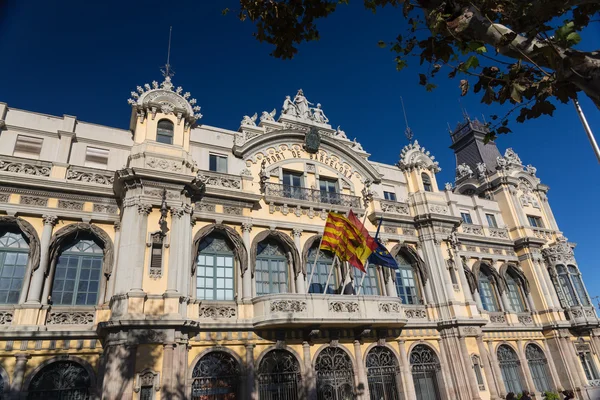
[{"x": 309, "y": 198}]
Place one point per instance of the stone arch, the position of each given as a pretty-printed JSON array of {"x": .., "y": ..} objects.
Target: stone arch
[
  {"x": 471, "y": 281},
  {"x": 424, "y": 343},
  {"x": 239, "y": 249},
  {"x": 88, "y": 368},
  {"x": 486, "y": 268},
  {"x": 343, "y": 382},
  {"x": 310, "y": 242},
  {"x": 210, "y": 350},
  {"x": 30, "y": 235},
  {"x": 339, "y": 346},
  {"x": 61, "y": 237},
  {"x": 386, "y": 345},
  {"x": 517, "y": 272},
  {"x": 287, "y": 243},
  {"x": 416, "y": 261},
  {"x": 215, "y": 375},
  {"x": 293, "y": 352}
]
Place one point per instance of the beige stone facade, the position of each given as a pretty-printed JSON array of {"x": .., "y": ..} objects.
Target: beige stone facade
[{"x": 176, "y": 260}]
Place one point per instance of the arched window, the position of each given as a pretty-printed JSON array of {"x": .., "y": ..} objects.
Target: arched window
[
  {"x": 217, "y": 375},
  {"x": 279, "y": 376},
  {"x": 61, "y": 380},
  {"x": 164, "y": 131},
  {"x": 324, "y": 263},
  {"x": 425, "y": 367},
  {"x": 509, "y": 366},
  {"x": 406, "y": 281},
  {"x": 335, "y": 374},
  {"x": 271, "y": 268},
  {"x": 514, "y": 292},
  {"x": 566, "y": 285},
  {"x": 78, "y": 273},
  {"x": 426, "y": 182},
  {"x": 487, "y": 292},
  {"x": 14, "y": 252},
  {"x": 370, "y": 283},
  {"x": 382, "y": 374},
  {"x": 578, "y": 284},
  {"x": 538, "y": 365},
  {"x": 477, "y": 369},
  {"x": 215, "y": 269}
]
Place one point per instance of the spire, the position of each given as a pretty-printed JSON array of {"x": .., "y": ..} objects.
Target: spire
[
  {"x": 166, "y": 70},
  {"x": 408, "y": 132}
]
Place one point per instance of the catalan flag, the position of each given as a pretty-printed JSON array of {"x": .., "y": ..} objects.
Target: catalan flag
[{"x": 348, "y": 239}]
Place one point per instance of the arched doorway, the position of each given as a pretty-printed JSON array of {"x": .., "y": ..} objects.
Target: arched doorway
[
  {"x": 279, "y": 376},
  {"x": 425, "y": 367},
  {"x": 382, "y": 374},
  {"x": 335, "y": 375},
  {"x": 61, "y": 380},
  {"x": 509, "y": 367},
  {"x": 216, "y": 376},
  {"x": 538, "y": 365}
]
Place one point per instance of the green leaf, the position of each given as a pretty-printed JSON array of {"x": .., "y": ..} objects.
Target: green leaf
[
  {"x": 225, "y": 11},
  {"x": 478, "y": 47},
  {"x": 573, "y": 38},
  {"x": 400, "y": 64},
  {"x": 381, "y": 44},
  {"x": 516, "y": 92},
  {"x": 564, "y": 31},
  {"x": 430, "y": 86},
  {"x": 472, "y": 62}
]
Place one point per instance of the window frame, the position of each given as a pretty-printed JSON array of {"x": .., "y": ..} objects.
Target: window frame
[
  {"x": 588, "y": 365},
  {"x": 486, "y": 279},
  {"x": 293, "y": 191},
  {"x": 466, "y": 217},
  {"x": 477, "y": 369},
  {"x": 389, "y": 196},
  {"x": 270, "y": 259},
  {"x": 427, "y": 182},
  {"x": 218, "y": 157},
  {"x": 367, "y": 282},
  {"x": 4, "y": 251},
  {"x": 514, "y": 294},
  {"x": 323, "y": 261},
  {"x": 535, "y": 221},
  {"x": 162, "y": 134},
  {"x": 416, "y": 298},
  {"x": 215, "y": 277},
  {"x": 491, "y": 220}
]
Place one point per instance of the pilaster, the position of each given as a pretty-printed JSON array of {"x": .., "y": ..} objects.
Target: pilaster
[
  {"x": 18, "y": 374},
  {"x": 300, "y": 276},
  {"x": 408, "y": 386},
  {"x": 37, "y": 281},
  {"x": 247, "y": 275}
]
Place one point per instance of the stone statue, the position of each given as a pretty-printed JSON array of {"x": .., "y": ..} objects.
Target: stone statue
[
  {"x": 481, "y": 169},
  {"x": 530, "y": 169},
  {"x": 302, "y": 105},
  {"x": 289, "y": 108},
  {"x": 250, "y": 121},
  {"x": 266, "y": 116},
  {"x": 319, "y": 116},
  {"x": 511, "y": 156},
  {"x": 463, "y": 170},
  {"x": 448, "y": 186},
  {"x": 356, "y": 146},
  {"x": 502, "y": 163},
  {"x": 340, "y": 134}
]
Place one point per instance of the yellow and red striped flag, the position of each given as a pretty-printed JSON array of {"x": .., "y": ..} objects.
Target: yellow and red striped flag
[{"x": 348, "y": 239}]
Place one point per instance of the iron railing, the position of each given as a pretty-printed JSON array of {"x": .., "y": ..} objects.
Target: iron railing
[{"x": 312, "y": 195}]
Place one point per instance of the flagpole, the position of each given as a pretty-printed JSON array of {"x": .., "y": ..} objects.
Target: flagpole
[
  {"x": 329, "y": 276},
  {"x": 312, "y": 272},
  {"x": 363, "y": 278},
  {"x": 347, "y": 276}
]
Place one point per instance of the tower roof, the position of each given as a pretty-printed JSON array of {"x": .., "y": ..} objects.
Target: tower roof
[{"x": 470, "y": 148}]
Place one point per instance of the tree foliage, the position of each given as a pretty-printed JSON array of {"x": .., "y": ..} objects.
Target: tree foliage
[{"x": 520, "y": 52}]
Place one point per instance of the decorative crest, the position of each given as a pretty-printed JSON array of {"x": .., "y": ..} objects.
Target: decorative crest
[
  {"x": 559, "y": 252},
  {"x": 312, "y": 141},
  {"x": 414, "y": 156}
]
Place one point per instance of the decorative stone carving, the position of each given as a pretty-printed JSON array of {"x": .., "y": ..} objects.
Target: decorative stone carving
[
  {"x": 498, "y": 233},
  {"x": 559, "y": 252},
  {"x": 481, "y": 169},
  {"x": 497, "y": 319},
  {"x": 4, "y": 197},
  {"x": 205, "y": 207},
  {"x": 34, "y": 201},
  {"x": 357, "y": 146},
  {"x": 6, "y": 317},
  {"x": 220, "y": 180},
  {"x": 297, "y": 232},
  {"x": 23, "y": 168},
  {"x": 530, "y": 169},
  {"x": 463, "y": 170},
  {"x": 343, "y": 306},
  {"x": 394, "y": 207},
  {"x": 471, "y": 248},
  {"x": 245, "y": 172},
  {"x": 472, "y": 229},
  {"x": 105, "y": 208},
  {"x": 340, "y": 134},
  {"x": 232, "y": 210},
  {"x": 91, "y": 177},
  {"x": 147, "y": 378},
  {"x": 415, "y": 313},
  {"x": 144, "y": 209},
  {"x": 390, "y": 307},
  {"x": 166, "y": 165},
  {"x": 448, "y": 186},
  {"x": 390, "y": 229},
  {"x": 528, "y": 195},
  {"x": 159, "y": 193},
  {"x": 50, "y": 219},
  {"x": 217, "y": 311},
  {"x": 439, "y": 209},
  {"x": 70, "y": 205},
  {"x": 469, "y": 331},
  {"x": 288, "y": 306},
  {"x": 70, "y": 318},
  {"x": 511, "y": 156},
  {"x": 413, "y": 155},
  {"x": 408, "y": 231},
  {"x": 525, "y": 319},
  {"x": 249, "y": 121},
  {"x": 268, "y": 116}
]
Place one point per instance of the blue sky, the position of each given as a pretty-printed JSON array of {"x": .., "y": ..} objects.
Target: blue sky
[{"x": 83, "y": 59}]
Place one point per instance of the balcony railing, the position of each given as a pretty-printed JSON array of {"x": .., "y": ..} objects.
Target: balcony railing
[{"x": 312, "y": 195}]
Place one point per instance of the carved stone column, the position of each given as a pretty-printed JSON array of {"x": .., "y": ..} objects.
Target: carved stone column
[
  {"x": 300, "y": 277},
  {"x": 487, "y": 369},
  {"x": 526, "y": 371},
  {"x": 19, "y": 373},
  {"x": 390, "y": 285},
  {"x": 111, "y": 280},
  {"x": 409, "y": 385},
  {"x": 469, "y": 367},
  {"x": 360, "y": 366},
  {"x": 551, "y": 366},
  {"x": 247, "y": 275},
  {"x": 309, "y": 372},
  {"x": 497, "y": 372},
  {"x": 180, "y": 251},
  {"x": 250, "y": 376},
  {"x": 37, "y": 281},
  {"x": 167, "y": 370}
]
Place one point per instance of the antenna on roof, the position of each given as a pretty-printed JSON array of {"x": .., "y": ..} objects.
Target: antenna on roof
[
  {"x": 464, "y": 111},
  {"x": 484, "y": 121},
  {"x": 408, "y": 132},
  {"x": 167, "y": 71},
  {"x": 449, "y": 129}
]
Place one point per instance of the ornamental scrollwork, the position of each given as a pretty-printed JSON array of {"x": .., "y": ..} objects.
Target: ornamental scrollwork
[
  {"x": 70, "y": 205},
  {"x": 343, "y": 306},
  {"x": 6, "y": 317},
  {"x": 439, "y": 209},
  {"x": 559, "y": 252},
  {"x": 473, "y": 229},
  {"x": 23, "y": 168},
  {"x": 497, "y": 319},
  {"x": 91, "y": 177},
  {"x": 288, "y": 306},
  {"x": 390, "y": 307},
  {"x": 70, "y": 318},
  {"x": 232, "y": 210},
  {"x": 217, "y": 312},
  {"x": 4, "y": 197},
  {"x": 229, "y": 182},
  {"x": 394, "y": 207},
  {"x": 525, "y": 319},
  {"x": 415, "y": 313},
  {"x": 105, "y": 208},
  {"x": 204, "y": 207},
  {"x": 498, "y": 233},
  {"x": 167, "y": 165},
  {"x": 34, "y": 201}
]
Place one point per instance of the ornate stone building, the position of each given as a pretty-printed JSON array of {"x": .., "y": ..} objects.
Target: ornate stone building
[{"x": 177, "y": 260}]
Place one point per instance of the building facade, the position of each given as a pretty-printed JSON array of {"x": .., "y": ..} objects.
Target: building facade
[{"x": 176, "y": 260}]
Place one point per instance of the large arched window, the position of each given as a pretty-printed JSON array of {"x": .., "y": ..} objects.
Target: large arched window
[
  {"x": 322, "y": 269},
  {"x": 407, "y": 285},
  {"x": 164, "y": 131},
  {"x": 514, "y": 292},
  {"x": 566, "y": 285},
  {"x": 487, "y": 292},
  {"x": 382, "y": 374},
  {"x": 14, "y": 252},
  {"x": 425, "y": 367},
  {"x": 215, "y": 269},
  {"x": 335, "y": 374},
  {"x": 216, "y": 375},
  {"x": 279, "y": 376},
  {"x": 538, "y": 365},
  {"x": 509, "y": 367},
  {"x": 426, "y": 182},
  {"x": 61, "y": 380},
  {"x": 78, "y": 273},
  {"x": 575, "y": 277},
  {"x": 370, "y": 283},
  {"x": 271, "y": 268}
]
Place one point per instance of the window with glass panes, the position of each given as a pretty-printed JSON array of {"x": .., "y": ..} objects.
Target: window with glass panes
[
  {"x": 538, "y": 366},
  {"x": 426, "y": 182},
  {"x": 509, "y": 367},
  {"x": 164, "y": 131},
  {"x": 77, "y": 275},
  {"x": 566, "y": 286},
  {"x": 406, "y": 282},
  {"x": 389, "y": 196},
  {"x": 322, "y": 268},
  {"x": 329, "y": 191},
  {"x": 491, "y": 220},
  {"x": 292, "y": 182},
  {"x": 217, "y": 163},
  {"x": 477, "y": 370},
  {"x": 589, "y": 367},
  {"x": 370, "y": 286},
  {"x": 214, "y": 269},
  {"x": 466, "y": 217},
  {"x": 514, "y": 294},
  {"x": 487, "y": 294},
  {"x": 578, "y": 284},
  {"x": 534, "y": 221},
  {"x": 271, "y": 269},
  {"x": 14, "y": 252}
]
